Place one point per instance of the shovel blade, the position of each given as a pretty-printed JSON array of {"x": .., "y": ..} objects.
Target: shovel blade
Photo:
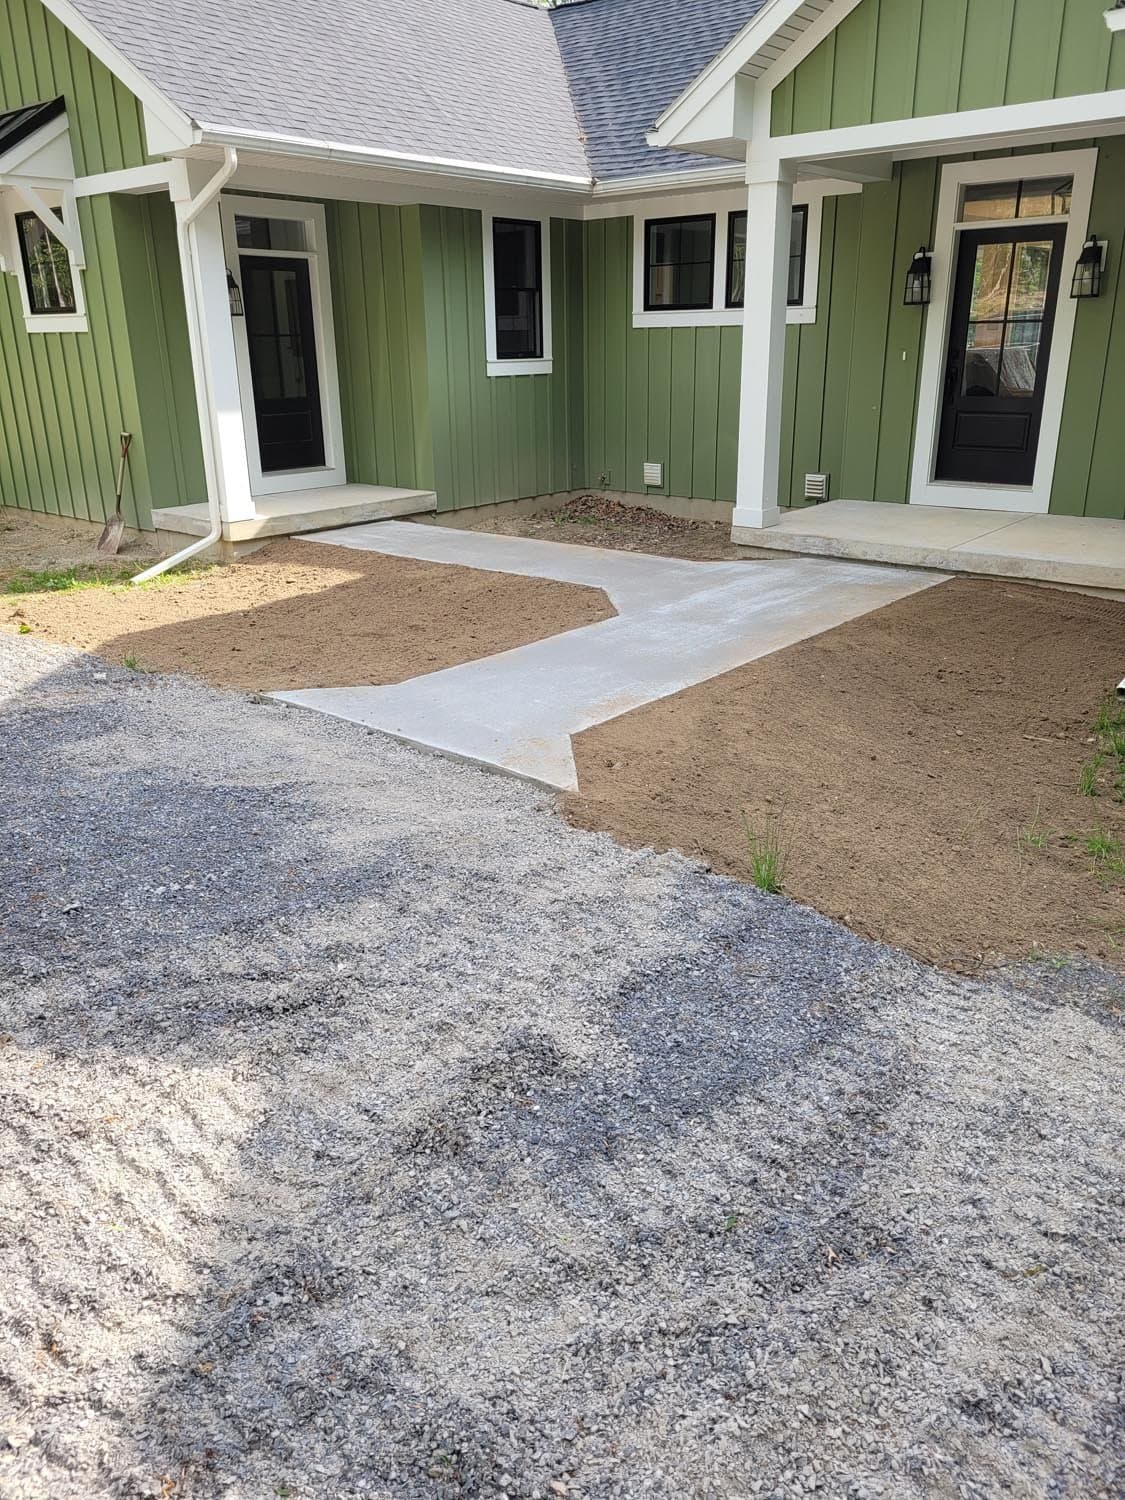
[{"x": 112, "y": 532}]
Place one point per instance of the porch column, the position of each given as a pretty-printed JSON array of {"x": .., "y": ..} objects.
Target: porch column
[
  {"x": 204, "y": 268},
  {"x": 770, "y": 210}
]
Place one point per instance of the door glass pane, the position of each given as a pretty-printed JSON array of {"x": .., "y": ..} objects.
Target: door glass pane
[
  {"x": 1021, "y": 358},
  {"x": 1029, "y": 284},
  {"x": 269, "y": 234},
  {"x": 1035, "y": 198},
  {"x": 983, "y": 345},
  {"x": 991, "y": 276}
]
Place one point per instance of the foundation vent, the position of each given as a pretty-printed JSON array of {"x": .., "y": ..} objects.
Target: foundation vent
[
  {"x": 816, "y": 487},
  {"x": 654, "y": 476}
]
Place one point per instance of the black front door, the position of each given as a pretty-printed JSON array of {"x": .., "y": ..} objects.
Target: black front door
[
  {"x": 277, "y": 297},
  {"x": 999, "y": 346}
]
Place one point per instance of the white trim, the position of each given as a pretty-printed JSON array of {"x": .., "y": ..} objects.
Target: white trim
[
  {"x": 733, "y": 173},
  {"x": 319, "y": 150},
  {"x": 147, "y": 179},
  {"x": 312, "y": 215},
  {"x": 33, "y": 202},
  {"x": 1036, "y": 498},
  {"x": 1115, "y": 19},
  {"x": 169, "y": 114},
  {"x": 805, "y": 194},
  {"x": 494, "y": 365}
]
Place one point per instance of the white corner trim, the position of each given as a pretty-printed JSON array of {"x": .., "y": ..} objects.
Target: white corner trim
[
  {"x": 506, "y": 367},
  {"x": 312, "y": 215},
  {"x": 1115, "y": 19},
  {"x": 1036, "y": 498}
]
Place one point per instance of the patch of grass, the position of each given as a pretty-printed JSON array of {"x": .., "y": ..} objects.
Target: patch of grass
[
  {"x": 1089, "y": 778},
  {"x": 769, "y": 853},
  {"x": 94, "y": 576},
  {"x": 1107, "y": 851},
  {"x": 135, "y": 664}
]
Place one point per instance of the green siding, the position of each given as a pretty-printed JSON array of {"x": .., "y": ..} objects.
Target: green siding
[
  {"x": 504, "y": 437},
  {"x": 661, "y": 395},
  {"x": 902, "y": 59},
  {"x": 40, "y": 59}
]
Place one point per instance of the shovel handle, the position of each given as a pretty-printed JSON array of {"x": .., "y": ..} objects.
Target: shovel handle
[{"x": 126, "y": 444}]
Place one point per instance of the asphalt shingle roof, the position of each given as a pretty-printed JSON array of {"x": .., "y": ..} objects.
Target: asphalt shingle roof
[
  {"x": 466, "y": 80},
  {"x": 628, "y": 60}
]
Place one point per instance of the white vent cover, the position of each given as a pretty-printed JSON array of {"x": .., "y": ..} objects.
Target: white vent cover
[
  {"x": 816, "y": 486},
  {"x": 654, "y": 476}
]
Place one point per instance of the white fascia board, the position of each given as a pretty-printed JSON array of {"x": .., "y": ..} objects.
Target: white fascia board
[
  {"x": 1040, "y": 119},
  {"x": 408, "y": 161},
  {"x": 671, "y": 182},
  {"x": 721, "y": 70},
  {"x": 173, "y": 118},
  {"x": 724, "y": 116},
  {"x": 1115, "y": 19}
]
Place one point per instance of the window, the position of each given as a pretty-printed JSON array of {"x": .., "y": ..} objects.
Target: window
[
  {"x": 1032, "y": 198},
  {"x": 48, "y": 276},
  {"x": 517, "y": 262},
  {"x": 270, "y": 234},
  {"x": 798, "y": 253},
  {"x": 679, "y": 263}
]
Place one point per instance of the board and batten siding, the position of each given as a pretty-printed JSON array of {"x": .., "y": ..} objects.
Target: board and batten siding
[
  {"x": 659, "y": 395},
  {"x": 902, "y": 59}
]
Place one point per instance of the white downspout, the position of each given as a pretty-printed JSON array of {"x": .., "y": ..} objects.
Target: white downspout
[{"x": 186, "y": 216}]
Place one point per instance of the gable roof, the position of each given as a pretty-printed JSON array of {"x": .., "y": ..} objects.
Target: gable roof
[
  {"x": 473, "y": 82},
  {"x": 627, "y": 60}
]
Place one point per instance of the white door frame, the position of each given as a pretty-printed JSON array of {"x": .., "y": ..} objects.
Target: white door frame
[
  {"x": 312, "y": 216},
  {"x": 1036, "y": 497}
]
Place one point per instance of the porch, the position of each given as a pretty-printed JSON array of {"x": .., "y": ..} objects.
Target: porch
[
  {"x": 1082, "y": 551},
  {"x": 297, "y": 511}
]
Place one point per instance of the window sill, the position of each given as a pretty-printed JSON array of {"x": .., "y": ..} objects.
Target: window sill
[
  {"x": 713, "y": 317},
  {"x": 57, "y": 323},
  {"x": 521, "y": 366}
]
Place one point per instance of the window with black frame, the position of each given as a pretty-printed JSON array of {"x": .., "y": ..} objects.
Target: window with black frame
[
  {"x": 46, "y": 268},
  {"x": 798, "y": 251},
  {"x": 517, "y": 259},
  {"x": 679, "y": 264}
]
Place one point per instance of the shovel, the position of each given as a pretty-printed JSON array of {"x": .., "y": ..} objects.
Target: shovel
[{"x": 114, "y": 528}]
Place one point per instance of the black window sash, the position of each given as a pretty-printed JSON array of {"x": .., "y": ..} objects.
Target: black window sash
[
  {"x": 69, "y": 303},
  {"x": 798, "y": 259},
  {"x": 652, "y": 226},
  {"x": 527, "y": 298}
]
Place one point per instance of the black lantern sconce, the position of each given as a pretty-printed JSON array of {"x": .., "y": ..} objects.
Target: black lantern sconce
[
  {"x": 919, "y": 279},
  {"x": 234, "y": 296},
  {"x": 1088, "y": 272}
]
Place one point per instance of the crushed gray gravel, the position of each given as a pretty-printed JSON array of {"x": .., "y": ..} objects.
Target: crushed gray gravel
[{"x": 368, "y": 1132}]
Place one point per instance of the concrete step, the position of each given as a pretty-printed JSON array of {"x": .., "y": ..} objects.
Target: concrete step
[{"x": 301, "y": 510}]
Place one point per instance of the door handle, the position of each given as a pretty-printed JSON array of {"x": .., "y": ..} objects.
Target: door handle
[{"x": 953, "y": 369}]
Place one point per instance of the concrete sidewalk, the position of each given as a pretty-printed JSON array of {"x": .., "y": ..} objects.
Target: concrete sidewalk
[{"x": 678, "y": 623}]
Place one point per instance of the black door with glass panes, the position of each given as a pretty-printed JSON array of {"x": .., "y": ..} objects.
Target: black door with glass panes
[
  {"x": 280, "y": 335},
  {"x": 1004, "y": 299}
]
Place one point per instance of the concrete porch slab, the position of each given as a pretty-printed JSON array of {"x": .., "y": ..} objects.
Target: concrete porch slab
[
  {"x": 303, "y": 510},
  {"x": 1080, "y": 551},
  {"x": 679, "y": 623}
]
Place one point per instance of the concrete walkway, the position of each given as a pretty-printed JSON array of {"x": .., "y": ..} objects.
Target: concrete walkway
[{"x": 678, "y": 623}]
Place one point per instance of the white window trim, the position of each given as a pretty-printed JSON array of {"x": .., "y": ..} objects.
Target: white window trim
[
  {"x": 312, "y": 215},
  {"x": 722, "y": 205},
  {"x": 1036, "y": 497},
  {"x": 496, "y": 366},
  {"x": 63, "y": 203}
]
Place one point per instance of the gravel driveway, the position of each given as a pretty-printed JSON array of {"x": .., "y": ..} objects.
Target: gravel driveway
[{"x": 369, "y": 1132}]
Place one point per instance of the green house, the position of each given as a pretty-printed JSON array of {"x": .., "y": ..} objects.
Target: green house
[{"x": 327, "y": 263}]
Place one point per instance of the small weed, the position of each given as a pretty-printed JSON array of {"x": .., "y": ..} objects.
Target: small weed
[
  {"x": 1089, "y": 774},
  {"x": 1111, "y": 716},
  {"x": 135, "y": 664},
  {"x": 1107, "y": 851},
  {"x": 768, "y": 854},
  {"x": 1031, "y": 837},
  {"x": 25, "y": 628}
]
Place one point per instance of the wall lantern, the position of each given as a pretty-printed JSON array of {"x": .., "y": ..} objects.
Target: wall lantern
[
  {"x": 1088, "y": 272},
  {"x": 918, "y": 279},
  {"x": 234, "y": 296}
]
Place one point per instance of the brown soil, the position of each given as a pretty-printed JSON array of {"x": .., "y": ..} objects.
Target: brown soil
[
  {"x": 595, "y": 521},
  {"x": 27, "y": 544},
  {"x": 300, "y": 616},
  {"x": 916, "y": 757}
]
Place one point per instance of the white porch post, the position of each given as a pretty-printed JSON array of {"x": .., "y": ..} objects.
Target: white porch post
[
  {"x": 204, "y": 268},
  {"x": 770, "y": 210}
]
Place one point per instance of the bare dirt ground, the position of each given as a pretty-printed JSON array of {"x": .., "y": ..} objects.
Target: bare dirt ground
[
  {"x": 297, "y": 615},
  {"x": 593, "y": 521},
  {"x": 924, "y": 762},
  {"x": 28, "y": 544}
]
